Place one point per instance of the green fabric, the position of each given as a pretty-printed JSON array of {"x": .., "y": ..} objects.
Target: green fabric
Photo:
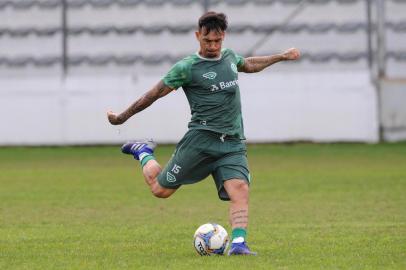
[
  {"x": 146, "y": 159},
  {"x": 211, "y": 87},
  {"x": 238, "y": 232},
  {"x": 240, "y": 60},
  {"x": 180, "y": 73},
  {"x": 201, "y": 153}
]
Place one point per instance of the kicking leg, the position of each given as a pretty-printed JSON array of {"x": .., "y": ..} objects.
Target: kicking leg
[
  {"x": 143, "y": 151},
  {"x": 151, "y": 171}
]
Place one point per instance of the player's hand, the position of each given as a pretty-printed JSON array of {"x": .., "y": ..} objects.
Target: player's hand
[
  {"x": 292, "y": 54},
  {"x": 113, "y": 118}
]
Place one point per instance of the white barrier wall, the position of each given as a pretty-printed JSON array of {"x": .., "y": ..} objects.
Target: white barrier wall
[{"x": 277, "y": 106}]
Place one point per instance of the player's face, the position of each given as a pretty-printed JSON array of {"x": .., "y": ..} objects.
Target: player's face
[{"x": 210, "y": 43}]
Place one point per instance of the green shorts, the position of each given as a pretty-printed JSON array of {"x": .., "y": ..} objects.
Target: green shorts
[{"x": 201, "y": 153}]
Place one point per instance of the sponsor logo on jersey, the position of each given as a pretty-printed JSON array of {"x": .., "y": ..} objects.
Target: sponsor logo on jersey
[
  {"x": 224, "y": 85},
  {"x": 214, "y": 87},
  {"x": 234, "y": 68},
  {"x": 210, "y": 75}
]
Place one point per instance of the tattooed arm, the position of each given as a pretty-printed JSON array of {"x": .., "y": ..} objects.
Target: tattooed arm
[
  {"x": 158, "y": 91},
  {"x": 258, "y": 63}
]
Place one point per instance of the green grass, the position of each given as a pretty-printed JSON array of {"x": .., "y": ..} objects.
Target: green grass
[{"x": 339, "y": 206}]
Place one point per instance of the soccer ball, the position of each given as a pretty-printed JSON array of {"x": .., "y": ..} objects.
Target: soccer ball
[{"x": 211, "y": 239}]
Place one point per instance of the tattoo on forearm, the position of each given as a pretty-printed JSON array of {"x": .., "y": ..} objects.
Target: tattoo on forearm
[
  {"x": 258, "y": 63},
  {"x": 145, "y": 101}
]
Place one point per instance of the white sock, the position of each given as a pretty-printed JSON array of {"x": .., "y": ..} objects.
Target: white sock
[
  {"x": 143, "y": 155},
  {"x": 238, "y": 240}
]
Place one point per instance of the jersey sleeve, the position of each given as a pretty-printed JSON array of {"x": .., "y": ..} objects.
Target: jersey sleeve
[
  {"x": 178, "y": 75},
  {"x": 239, "y": 60}
]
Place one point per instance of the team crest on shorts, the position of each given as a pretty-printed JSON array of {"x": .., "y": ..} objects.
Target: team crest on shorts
[{"x": 170, "y": 177}]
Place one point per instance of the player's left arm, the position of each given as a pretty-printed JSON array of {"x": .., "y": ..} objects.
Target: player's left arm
[{"x": 259, "y": 63}]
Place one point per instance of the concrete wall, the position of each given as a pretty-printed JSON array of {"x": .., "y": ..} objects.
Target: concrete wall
[{"x": 277, "y": 106}]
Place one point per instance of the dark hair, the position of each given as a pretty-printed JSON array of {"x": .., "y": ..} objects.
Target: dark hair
[{"x": 213, "y": 21}]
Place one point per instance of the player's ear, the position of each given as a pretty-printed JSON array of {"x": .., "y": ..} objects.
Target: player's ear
[{"x": 197, "y": 33}]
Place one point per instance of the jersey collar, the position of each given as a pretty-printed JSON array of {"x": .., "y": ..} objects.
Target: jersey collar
[{"x": 210, "y": 59}]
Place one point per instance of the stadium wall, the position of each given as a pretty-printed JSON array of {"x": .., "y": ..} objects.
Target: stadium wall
[{"x": 278, "y": 106}]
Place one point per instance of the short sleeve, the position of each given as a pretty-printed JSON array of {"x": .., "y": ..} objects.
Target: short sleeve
[
  {"x": 240, "y": 60},
  {"x": 178, "y": 75}
]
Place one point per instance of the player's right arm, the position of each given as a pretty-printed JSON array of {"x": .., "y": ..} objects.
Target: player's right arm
[
  {"x": 158, "y": 91},
  {"x": 177, "y": 76}
]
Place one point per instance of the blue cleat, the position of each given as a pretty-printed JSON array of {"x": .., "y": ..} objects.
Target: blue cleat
[
  {"x": 136, "y": 148},
  {"x": 240, "y": 249}
]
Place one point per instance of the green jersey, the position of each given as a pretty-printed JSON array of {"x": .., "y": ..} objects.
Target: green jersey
[{"x": 211, "y": 87}]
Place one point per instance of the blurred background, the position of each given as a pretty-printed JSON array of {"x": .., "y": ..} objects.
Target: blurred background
[{"x": 63, "y": 64}]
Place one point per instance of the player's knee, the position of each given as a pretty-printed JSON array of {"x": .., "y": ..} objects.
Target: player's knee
[
  {"x": 242, "y": 187},
  {"x": 160, "y": 192},
  {"x": 240, "y": 191}
]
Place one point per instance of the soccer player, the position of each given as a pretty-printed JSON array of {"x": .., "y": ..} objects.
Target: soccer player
[{"x": 214, "y": 144}]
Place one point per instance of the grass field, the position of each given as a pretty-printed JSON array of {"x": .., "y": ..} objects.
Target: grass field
[{"x": 339, "y": 206}]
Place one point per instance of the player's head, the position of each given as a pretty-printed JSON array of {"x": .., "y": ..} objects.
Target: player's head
[{"x": 210, "y": 34}]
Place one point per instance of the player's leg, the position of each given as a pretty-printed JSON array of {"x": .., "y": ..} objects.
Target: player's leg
[
  {"x": 238, "y": 192},
  {"x": 151, "y": 170},
  {"x": 189, "y": 164},
  {"x": 144, "y": 152},
  {"x": 232, "y": 180}
]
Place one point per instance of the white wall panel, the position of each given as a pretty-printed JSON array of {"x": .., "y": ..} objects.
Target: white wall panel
[
  {"x": 311, "y": 106},
  {"x": 277, "y": 106},
  {"x": 30, "y": 112}
]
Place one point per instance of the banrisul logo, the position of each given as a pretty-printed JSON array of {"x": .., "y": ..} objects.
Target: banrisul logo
[
  {"x": 224, "y": 85},
  {"x": 214, "y": 88},
  {"x": 234, "y": 68},
  {"x": 210, "y": 75}
]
